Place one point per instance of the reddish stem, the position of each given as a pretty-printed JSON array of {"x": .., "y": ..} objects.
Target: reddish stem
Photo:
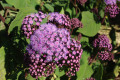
[
  {"x": 2, "y": 18},
  {"x": 10, "y": 8},
  {"x": 103, "y": 19}
]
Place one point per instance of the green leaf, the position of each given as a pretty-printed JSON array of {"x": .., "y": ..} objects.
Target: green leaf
[
  {"x": 49, "y": 7},
  {"x": 44, "y": 20},
  {"x": 69, "y": 11},
  {"x": 17, "y": 22},
  {"x": 62, "y": 11},
  {"x": 99, "y": 73},
  {"x": 7, "y": 20},
  {"x": 102, "y": 13},
  {"x": 116, "y": 71},
  {"x": 84, "y": 39},
  {"x": 58, "y": 72},
  {"x": 42, "y": 78},
  {"x": 2, "y": 64},
  {"x": 73, "y": 12},
  {"x": 29, "y": 77},
  {"x": 57, "y": 78},
  {"x": 5, "y": 4},
  {"x": 85, "y": 70},
  {"x": 21, "y": 75},
  {"x": 90, "y": 27},
  {"x": 21, "y": 4}
]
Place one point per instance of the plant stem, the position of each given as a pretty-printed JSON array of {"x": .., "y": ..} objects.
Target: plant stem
[
  {"x": 12, "y": 8},
  {"x": 2, "y": 18}
]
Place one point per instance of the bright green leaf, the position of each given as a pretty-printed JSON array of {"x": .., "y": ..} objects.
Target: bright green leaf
[
  {"x": 116, "y": 70},
  {"x": 73, "y": 12},
  {"x": 62, "y": 11},
  {"x": 44, "y": 20},
  {"x": 7, "y": 20},
  {"x": 2, "y": 64},
  {"x": 21, "y": 4},
  {"x": 90, "y": 27},
  {"x": 84, "y": 39},
  {"x": 85, "y": 70},
  {"x": 102, "y": 12},
  {"x": 58, "y": 72},
  {"x": 42, "y": 78},
  {"x": 19, "y": 18},
  {"x": 29, "y": 77}
]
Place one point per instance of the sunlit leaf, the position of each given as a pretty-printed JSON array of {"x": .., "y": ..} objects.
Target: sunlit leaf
[
  {"x": 90, "y": 26},
  {"x": 2, "y": 64}
]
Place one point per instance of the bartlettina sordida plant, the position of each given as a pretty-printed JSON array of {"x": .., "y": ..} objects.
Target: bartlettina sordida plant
[{"x": 60, "y": 40}]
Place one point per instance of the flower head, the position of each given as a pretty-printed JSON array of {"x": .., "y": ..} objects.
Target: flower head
[
  {"x": 110, "y": 2},
  {"x": 112, "y": 10},
  {"x": 32, "y": 22}
]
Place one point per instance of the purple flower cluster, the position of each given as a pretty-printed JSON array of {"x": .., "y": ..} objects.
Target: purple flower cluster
[
  {"x": 59, "y": 19},
  {"x": 38, "y": 66},
  {"x": 104, "y": 47},
  {"x": 51, "y": 40},
  {"x": 102, "y": 42},
  {"x": 110, "y": 2},
  {"x": 90, "y": 78},
  {"x": 105, "y": 55},
  {"x": 76, "y": 23},
  {"x": 73, "y": 58},
  {"x": 32, "y": 22},
  {"x": 82, "y": 2},
  {"x": 50, "y": 46},
  {"x": 112, "y": 10}
]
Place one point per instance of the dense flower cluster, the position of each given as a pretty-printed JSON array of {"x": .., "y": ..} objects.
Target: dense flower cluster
[
  {"x": 112, "y": 10},
  {"x": 31, "y": 22},
  {"x": 105, "y": 55},
  {"x": 50, "y": 46},
  {"x": 61, "y": 20},
  {"x": 90, "y": 78},
  {"x": 48, "y": 39},
  {"x": 76, "y": 23},
  {"x": 110, "y": 2},
  {"x": 81, "y": 1},
  {"x": 38, "y": 66},
  {"x": 102, "y": 42},
  {"x": 73, "y": 58},
  {"x": 104, "y": 47}
]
